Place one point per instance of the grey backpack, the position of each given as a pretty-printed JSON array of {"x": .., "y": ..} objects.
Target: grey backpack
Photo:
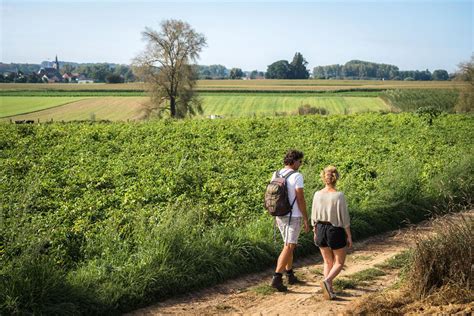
[{"x": 276, "y": 196}]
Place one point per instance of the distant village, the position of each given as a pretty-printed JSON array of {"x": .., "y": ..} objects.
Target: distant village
[
  {"x": 52, "y": 75},
  {"x": 65, "y": 72},
  {"x": 69, "y": 72}
]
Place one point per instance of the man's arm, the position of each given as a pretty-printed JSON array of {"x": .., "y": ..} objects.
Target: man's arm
[{"x": 302, "y": 206}]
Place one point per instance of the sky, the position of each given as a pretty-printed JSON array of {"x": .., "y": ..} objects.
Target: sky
[{"x": 245, "y": 34}]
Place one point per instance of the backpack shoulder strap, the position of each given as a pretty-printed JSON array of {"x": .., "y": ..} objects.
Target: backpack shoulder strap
[{"x": 289, "y": 174}]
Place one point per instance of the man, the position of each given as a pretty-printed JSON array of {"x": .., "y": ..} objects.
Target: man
[{"x": 290, "y": 224}]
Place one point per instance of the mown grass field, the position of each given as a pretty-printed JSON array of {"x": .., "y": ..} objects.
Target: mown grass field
[
  {"x": 91, "y": 108},
  {"x": 227, "y": 105},
  {"x": 10, "y": 106}
]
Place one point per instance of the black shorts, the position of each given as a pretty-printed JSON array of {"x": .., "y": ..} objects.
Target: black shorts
[{"x": 330, "y": 236}]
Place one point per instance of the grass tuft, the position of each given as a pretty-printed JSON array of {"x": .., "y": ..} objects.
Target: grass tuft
[
  {"x": 396, "y": 262},
  {"x": 263, "y": 289},
  {"x": 353, "y": 280}
]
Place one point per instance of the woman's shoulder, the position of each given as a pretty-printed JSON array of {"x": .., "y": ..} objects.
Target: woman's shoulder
[{"x": 322, "y": 192}]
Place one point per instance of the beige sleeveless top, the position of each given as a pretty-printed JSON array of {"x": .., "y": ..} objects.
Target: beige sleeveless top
[{"x": 330, "y": 207}]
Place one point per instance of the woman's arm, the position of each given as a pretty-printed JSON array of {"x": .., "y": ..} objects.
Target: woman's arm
[
  {"x": 349, "y": 236},
  {"x": 346, "y": 220}
]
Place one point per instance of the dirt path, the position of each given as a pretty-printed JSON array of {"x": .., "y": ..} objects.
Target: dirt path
[{"x": 250, "y": 294}]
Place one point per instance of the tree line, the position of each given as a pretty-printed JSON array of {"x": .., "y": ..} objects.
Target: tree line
[
  {"x": 282, "y": 69},
  {"x": 357, "y": 69}
]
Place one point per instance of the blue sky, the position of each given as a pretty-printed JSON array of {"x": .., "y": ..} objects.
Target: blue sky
[{"x": 246, "y": 34}]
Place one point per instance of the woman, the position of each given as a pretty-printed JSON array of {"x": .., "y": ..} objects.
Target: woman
[{"x": 331, "y": 223}]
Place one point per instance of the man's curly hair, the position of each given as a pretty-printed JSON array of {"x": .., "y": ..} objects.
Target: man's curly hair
[{"x": 292, "y": 156}]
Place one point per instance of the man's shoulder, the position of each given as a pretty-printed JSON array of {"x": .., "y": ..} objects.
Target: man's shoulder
[{"x": 296, "y": 177}]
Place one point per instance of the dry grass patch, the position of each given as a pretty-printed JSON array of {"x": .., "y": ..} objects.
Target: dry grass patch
[{"x": 438, "y": 276}]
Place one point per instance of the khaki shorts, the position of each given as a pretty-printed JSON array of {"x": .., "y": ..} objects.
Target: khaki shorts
[{"x": 289, "y": 233}]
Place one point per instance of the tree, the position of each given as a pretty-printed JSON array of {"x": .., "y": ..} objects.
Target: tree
[
  {"x": 279, "y": 70},
  {"x": 236, "y": 73},
  {"x": 166, "y": 67},
  {"x": 466, "y": 97},
  {"x": 466, "y": 71},
  {"x": 440, "y": 74},
  {"x": 67, "y": 68},
  {"x": 114, "y": 78},
  {"x": 298, "y": 67}
]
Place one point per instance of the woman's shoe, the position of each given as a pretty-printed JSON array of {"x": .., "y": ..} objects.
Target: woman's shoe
[{"x": 326, "y": 289}]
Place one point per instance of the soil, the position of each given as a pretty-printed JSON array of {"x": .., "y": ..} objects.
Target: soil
[{"x": 251, "y": 295}]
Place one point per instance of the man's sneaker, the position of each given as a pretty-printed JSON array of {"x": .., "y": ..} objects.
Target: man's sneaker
[
  {"x": 292, "y": 279},
  {"x": 277, "y": 283}
]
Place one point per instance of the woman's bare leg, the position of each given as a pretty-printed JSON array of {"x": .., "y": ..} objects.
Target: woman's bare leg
[
  {"x": 328, "y": 258},
  {"x": 339, "y": 259}
]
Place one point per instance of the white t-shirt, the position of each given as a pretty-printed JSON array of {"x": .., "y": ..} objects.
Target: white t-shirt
[{"x": 293, "y": 182}]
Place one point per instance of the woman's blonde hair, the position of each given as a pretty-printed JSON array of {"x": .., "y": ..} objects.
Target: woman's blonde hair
[{"x": 329, "y": 175}]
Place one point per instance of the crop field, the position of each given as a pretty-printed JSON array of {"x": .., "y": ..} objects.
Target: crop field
[
  {"x": 229, "y": 98},
  {"x": 10, "y": 106},
  {"x": 100, "y": 218},
  {"x": 228, "y": 105},
  {"x": 101, "y": 108},
  {"x": 269, "y": 104},
  {"x": 249, "y": 85}
]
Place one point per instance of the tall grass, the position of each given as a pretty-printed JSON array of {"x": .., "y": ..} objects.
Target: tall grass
[
  {"x": 157, "y": 258},
  {"x": 444, "y": 260}
]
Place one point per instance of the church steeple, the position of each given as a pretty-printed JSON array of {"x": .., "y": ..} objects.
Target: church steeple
[{"x": 56, "y": 63}]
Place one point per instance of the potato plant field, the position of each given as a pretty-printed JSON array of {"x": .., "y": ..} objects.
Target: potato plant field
[{"x": 106, "y": 217}]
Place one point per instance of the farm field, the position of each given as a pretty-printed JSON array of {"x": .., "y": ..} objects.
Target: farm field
[
  {"x": 17, "y": 105},
  {"x": 229, "y": 98},
  {"x": 251, "y": 85},
  {"x": 101, "y": 108},
  {"x": 228, "y": 105},
  {"x": 101, "y": 218},
  {"x": 235, "y": 105}
]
